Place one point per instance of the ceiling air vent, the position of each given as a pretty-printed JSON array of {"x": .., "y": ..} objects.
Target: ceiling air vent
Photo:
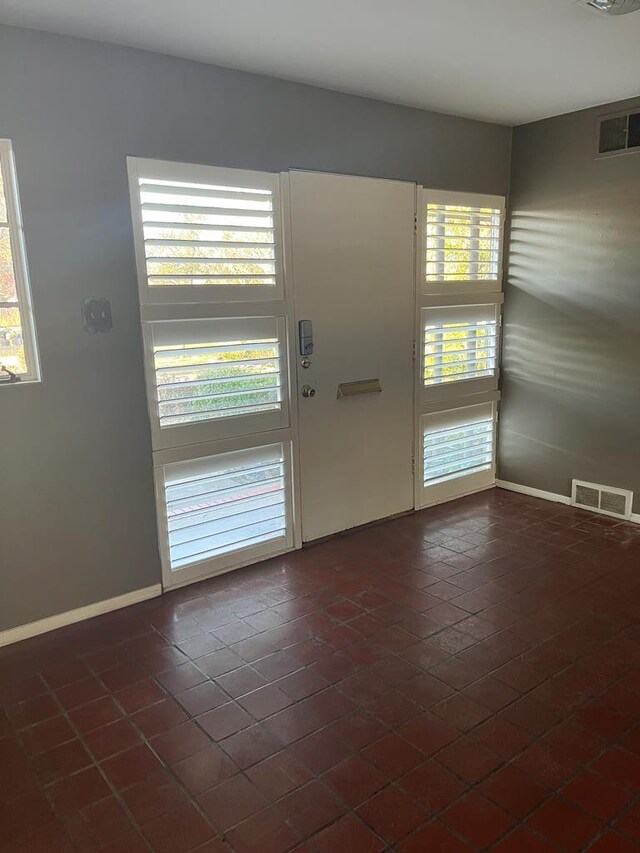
[{"x": 604, "y": 499}]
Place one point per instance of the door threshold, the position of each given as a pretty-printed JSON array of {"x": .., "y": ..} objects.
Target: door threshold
[{"x": 357, "y": 528}]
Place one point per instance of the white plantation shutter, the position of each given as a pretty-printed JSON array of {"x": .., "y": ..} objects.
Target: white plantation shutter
[
  {"x": 457, "y": 445},
  {"x": 228, "y": 504},
  {"x": 463, "y": 238},
  {"x": 213, "y": 235},
  {"x": 460, "y": 344},
  {"x": 458, "y": 300},
  {"x": 18, "y": 347},
  {"x": 216, "y": 330},
  {"x": 217, "y": 377}
]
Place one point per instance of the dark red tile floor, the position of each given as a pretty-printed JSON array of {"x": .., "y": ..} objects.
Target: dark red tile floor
[{"x": 466, "y": 678}]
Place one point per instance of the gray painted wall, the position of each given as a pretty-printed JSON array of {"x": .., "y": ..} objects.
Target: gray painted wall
[
  {"x": 571, "y": 368},
  {"x": 77, "y": 520}
]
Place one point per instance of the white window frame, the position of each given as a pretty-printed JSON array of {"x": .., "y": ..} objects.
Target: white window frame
[
  {"x": 211, "y": 566},
  {"x": 191, "y": 173},
  {"x": 444, "y": 397},
  {"x": 462, "y": 287},
  {"x": 173, "y": 304},
  {"x": 465, "y": 484},
  {"x": 20, "y": 269},
  {"x": 449, "y": 391},
  {"x": 223, "y": 427}
]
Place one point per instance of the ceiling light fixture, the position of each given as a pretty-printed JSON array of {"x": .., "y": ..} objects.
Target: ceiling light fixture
[{"x": 614, "y": 7}]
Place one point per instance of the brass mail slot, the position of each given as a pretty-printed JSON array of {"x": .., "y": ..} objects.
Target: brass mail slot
[{"x": 362, "y": 386}]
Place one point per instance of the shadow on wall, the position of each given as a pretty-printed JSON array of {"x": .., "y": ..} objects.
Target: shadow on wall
[{"x": 571, "y": 358}]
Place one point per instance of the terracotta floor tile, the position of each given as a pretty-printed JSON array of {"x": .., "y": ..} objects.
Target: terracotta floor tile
[
  {"x": 140, "y": 695},
  {"x": 457, "y": 662},
  {"x": 461, "y": 711},
  {"x": 108, "y": 820},
  {"x": 358, "y": 729},
  {"x": 310, "y": 808},
  {"x": 178, "y": 831},
  {"x": 32, "y": 711},
  {"x": 564, "y": 825},
  {"x": 23, "y": 814},
  {"x": 611, "y": 842},
  {"x": 46, "y": 735},
  {"x": 434, "y": 838},
  {"x": 354, "y": 780},
  {"x": 181, "y": 678},
  {"x": 514, "y": 791},
  {"x": 204, "y": 770},
  {"x": 279, "y": 775},
  {"x": 231, "y": 802},
  {"x": 429, "y": 733},
  {"x": 321, "y": 750},
  {"x": 153, "y": 797},
  {"x": 265, "y": 701},
  {"x": 620, "y": 767},
  {"x": 131, "y": 766},
  {"x": 433, "y": 785},
  {"x": 524, "y": 841},
  {"x": 264, "y": 832},
  {"x": 469, "y": 759},
  {"x": 348, "y": 833},
  {"x": 393, "y": 755},
  {"x": 60, "y": 761},
  {"x": 249, "y": 746},
  {"x": 596, "y": 796},
  {"x": 224, "y": 721},
  {"x": 179, "y": 743},
  {"x": 392, "y": 814},
  {"x": 79, "y": 790},
  {"x": 241, "y": 681},
  {"x": 95, "y": 714},
  {"x": 159, "y": 717},
  {"x": 109, "y": 740},
  {"x": 477, "y": 820}
]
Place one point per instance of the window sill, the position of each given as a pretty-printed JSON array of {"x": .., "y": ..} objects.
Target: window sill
[{"x": 26, "y": 381}]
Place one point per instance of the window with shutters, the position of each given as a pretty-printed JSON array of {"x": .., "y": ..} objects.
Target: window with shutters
[
  {"x": 217, "y": 506},
  {"x": 458, "y": 449},
  {"x": 457, "y": 367},
  {"x": 463, "y": 243},
  {"x": 18, "y": 349},
  {"x": 215, "y": 325},
  {"x": 460, "y": 344},
  {"x": 202, "y": 238},
  {"x": 217, "y": 377}
]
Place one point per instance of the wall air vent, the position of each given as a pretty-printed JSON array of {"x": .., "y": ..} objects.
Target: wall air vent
[
  {"x": 603, "y": 499},
  {"x": 619, "y": 134}
]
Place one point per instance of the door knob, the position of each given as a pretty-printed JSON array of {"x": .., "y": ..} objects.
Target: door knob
[{"x": 308, "y": 391}]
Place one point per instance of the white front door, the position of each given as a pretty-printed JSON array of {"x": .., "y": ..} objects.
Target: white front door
[{"x": 352, "y": 268}]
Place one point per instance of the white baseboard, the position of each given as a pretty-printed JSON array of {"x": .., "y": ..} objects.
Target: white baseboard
[
  {"x": 534, "y": 493},
  {"x": 548, "y": 496},
  {"x": 60, "y": 620}
]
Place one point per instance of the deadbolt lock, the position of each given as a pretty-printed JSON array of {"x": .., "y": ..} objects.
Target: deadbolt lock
[
  {"x": 305, "y": 362},
  {"x": 308, "y": 391}
]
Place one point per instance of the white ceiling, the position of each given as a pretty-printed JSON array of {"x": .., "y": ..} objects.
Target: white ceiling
[{"x": 506, "y": 61}]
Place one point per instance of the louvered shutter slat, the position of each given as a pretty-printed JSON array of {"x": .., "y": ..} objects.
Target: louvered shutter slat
[
  {"x": 462, "y": 243},
  {"x": 198, "y": 235},
  {"x": 460, "y": 343},
  {"x": 239, "y": 504},
  {"x": 457, "y": 451},
  {"x": 217, "y": 379}
]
